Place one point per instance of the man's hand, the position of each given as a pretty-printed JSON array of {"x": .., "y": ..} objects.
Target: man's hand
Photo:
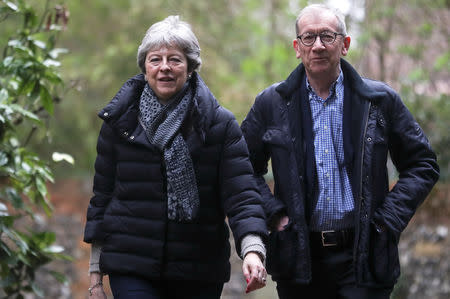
[
  {"x": 254, "y": 272},
  {"x": 282, "y": 223}
]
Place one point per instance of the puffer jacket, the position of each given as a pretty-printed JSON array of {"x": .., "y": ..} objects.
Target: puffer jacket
[
  {"x": 375, "y": 123},
  {"x": 128, "y": 212}
]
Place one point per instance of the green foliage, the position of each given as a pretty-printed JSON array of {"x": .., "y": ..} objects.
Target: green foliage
[{"x": 29, "y": 83}]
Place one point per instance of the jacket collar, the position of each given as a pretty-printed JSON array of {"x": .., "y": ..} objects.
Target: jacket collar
[
  {"x": 358, "y": 86},
  {"x": 123, "y": 110}
]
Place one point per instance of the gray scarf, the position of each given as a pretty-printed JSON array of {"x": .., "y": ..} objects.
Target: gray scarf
[{"x": 162, "y": 125}]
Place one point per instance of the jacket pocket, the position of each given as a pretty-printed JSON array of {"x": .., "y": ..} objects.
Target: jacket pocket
[
  {"x": 276, "y": 137},
  {"x": 383, "y": 259},
  {"x": 282, "y": 254}
]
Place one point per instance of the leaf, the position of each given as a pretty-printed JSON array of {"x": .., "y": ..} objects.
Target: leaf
[
  {"x": 58, "y": 157},
  {"x": 14, "y": 43},
  {"x": 3, "y": 158},
  {"x": 37, "y": 290},
  {"x": 7, "y": 61},
  {"x": 54, "y": 249},
  {"x": 17, "y": 239},
  {"x": 42, "y": 188},
  {"x": 24, "y": 112},
  {"x": 14, "y": 197},
  {"x": 3, "y": 210},
  {"x": 46, "y": 99},
  {"x": 55, "y": 52},
  {"x": 27, "y": 87},
  {"x": 12, "y": 6},
  {"x": 3, "y": 95},
  {"x": 61, "y": 278},
  {"x": 51, "y": 62}
]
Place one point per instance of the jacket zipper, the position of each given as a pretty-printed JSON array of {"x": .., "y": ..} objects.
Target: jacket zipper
[
  {"x": 362, "y": 155},
  {"x": 361, "y": 182}
]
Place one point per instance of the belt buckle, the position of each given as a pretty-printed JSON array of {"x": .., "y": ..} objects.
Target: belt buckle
[{"x": 323, "y": 238}]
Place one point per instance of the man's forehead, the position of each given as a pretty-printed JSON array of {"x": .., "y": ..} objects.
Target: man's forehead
[{"x": 318, "y": 20}]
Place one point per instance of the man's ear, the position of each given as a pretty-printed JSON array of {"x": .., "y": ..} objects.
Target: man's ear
[
  {"x": 296, "y": 46},
  {"x": 347, "y": 40}
]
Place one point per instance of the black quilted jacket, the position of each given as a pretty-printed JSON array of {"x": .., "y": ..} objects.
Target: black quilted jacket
[
  {"x": 375, "y": 123},
  {"x": 128, "y": 212}
]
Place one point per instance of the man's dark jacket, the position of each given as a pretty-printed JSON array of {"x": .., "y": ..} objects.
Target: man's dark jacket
[
  {"x": 375, "y": 123},
  {"x": 128, "y": 212}
]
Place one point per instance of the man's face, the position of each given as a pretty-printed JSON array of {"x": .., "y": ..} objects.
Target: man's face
[{"x": 319, "y": 58}]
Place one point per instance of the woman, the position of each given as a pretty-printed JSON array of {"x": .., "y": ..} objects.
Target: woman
[{"x": 171, "y": 164}]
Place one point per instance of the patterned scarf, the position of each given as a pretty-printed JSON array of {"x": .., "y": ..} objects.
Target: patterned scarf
[{"x": 162, "y": 125}]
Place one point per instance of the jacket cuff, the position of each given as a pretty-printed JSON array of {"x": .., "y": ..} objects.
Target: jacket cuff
[
  {"x": 253, "y": 243},
  {"x": 94, "y": 261}
]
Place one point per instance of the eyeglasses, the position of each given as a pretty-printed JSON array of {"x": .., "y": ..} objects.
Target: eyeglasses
[{"x": 326, "y": 37}]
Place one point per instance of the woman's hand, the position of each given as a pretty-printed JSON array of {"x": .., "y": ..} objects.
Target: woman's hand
[
  {"x": 254, "y": 272},
  {"x": 96, "y": 286}
]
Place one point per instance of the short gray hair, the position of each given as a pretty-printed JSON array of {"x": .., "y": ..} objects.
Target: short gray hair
[
  {"x": 171, "y": 32},
  {"x": 341, "y": 28}
]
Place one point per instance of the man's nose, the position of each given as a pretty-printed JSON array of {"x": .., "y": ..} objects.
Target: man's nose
[{"x": 318, "y": 42}]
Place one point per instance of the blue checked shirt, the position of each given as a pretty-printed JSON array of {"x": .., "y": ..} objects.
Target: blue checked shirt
[{"x": 334, "y": 205}]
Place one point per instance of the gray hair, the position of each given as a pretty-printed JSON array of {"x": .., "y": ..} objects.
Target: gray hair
[
  {"x": 171, "y": 32},
  {"x": 341, "y": 28}
]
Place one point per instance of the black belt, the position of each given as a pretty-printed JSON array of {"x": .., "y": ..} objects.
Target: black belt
[{"x": 332, "y": 238}]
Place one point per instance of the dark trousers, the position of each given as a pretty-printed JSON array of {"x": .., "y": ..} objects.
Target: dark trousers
[
  {"x": 129, "y": 287},
  {"x": 333, "y": 277}
]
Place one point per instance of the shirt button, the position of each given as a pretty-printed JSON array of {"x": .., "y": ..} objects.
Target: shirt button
[
  {"x": 369, "y": 139},
  {"x": 125, "y": 133},
  {"x": 326, "y": 127},
  {"x": 328, "y": 198},
  {"x": 131, "y": 137},
  {"x": 326, "y": 151}
]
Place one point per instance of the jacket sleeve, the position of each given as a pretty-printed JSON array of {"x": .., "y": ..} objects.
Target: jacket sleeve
[
  {"x": 253, "y": 128},
  {"x": 103, "y": 185},
  {"x": 240, "y": 197},
  {"x": 416, "y": 164}
]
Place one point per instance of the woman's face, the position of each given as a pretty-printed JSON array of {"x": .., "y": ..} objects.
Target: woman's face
[{"x": 166, "y": 71}]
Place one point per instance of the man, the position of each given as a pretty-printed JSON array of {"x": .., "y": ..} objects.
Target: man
[{"x": 335, "y": 224}]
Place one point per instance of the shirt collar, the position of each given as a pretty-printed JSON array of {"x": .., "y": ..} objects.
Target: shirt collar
[{"x": 339, "y": 81}]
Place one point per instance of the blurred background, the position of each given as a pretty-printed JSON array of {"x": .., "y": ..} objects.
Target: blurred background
[{"x": 246, "y": 46}]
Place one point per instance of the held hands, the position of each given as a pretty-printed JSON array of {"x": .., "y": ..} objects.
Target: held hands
[{"x": 254, "y": 272}]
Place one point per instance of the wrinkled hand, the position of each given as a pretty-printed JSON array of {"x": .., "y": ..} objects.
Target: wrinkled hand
[
  {"x": 254, "y": 272},
  {"x": 97, "y": 292},
  {"x": 282, "y": 223}
]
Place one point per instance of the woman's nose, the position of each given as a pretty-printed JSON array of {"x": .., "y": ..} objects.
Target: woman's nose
[{"x": 165, "y": 64}]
